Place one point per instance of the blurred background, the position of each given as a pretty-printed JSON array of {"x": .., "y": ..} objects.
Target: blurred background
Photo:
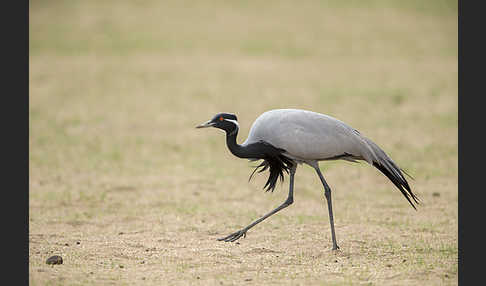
[
  {"x": 117, "y": 87},
  {"x": 141, "y": 71}
]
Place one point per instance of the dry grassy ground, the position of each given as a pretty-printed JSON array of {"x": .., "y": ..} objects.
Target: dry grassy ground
[{"x": 127, "y": 191}]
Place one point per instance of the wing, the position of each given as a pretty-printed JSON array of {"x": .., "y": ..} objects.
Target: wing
[{"x": 307, "y": 135}]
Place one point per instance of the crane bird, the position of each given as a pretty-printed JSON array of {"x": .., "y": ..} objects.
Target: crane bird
[{"x": 284, "y": 138}]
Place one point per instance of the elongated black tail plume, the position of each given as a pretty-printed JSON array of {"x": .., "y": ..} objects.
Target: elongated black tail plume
[
  {"x": 278, "y": 165},
  {"x": 386, "y": 165},
  {"x": 389, "y": 169}
]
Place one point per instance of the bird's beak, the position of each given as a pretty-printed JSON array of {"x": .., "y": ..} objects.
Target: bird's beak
[{"x": 205, "y": 124}]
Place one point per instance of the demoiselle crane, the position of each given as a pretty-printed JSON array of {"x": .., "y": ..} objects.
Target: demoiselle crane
[{"x": 284, "y": 138}]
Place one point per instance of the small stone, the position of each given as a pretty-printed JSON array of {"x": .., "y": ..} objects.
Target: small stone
[
  {"x": 56, "y": 259},
  {"x": 121, "y": 266},
  {"x": 77, "y": 242}
]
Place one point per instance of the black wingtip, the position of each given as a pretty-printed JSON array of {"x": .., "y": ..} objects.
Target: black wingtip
[
  {"x": 400, "y": 182},
  {"x": 410, "y": 176}
]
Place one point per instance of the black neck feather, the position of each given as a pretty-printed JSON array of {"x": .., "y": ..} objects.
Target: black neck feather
[
  {"x": 235, "y": 148},
  {"x": 273, "y": 158}
]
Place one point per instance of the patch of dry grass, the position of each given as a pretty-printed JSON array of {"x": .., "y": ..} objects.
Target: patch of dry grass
[{"x": 116, "y": 164}]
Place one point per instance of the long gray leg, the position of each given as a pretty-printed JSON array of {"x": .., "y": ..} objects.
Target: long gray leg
[
  {"x": 290, "y": 199},
  {"x": 327, "y": 193}
]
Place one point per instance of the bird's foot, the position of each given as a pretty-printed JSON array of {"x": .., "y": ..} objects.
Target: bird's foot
[
  {"x": 335, "y": 247},
  {"x": 234, "y": 236}
]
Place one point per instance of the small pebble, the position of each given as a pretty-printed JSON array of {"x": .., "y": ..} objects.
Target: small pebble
[
  {"x": 56, "y": 259},
  {"x": 77, "y": 242}
]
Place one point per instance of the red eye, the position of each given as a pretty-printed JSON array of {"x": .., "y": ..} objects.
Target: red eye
[{"x": 221, "y": 118}]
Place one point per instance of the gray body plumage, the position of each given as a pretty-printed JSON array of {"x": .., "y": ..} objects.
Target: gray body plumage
[{"x": 308, "y": 136}]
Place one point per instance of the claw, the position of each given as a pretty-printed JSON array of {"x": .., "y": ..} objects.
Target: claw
[{"x": 234, "y": 236}]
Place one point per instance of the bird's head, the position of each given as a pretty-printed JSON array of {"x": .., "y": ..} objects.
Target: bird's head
[{"x": 224, "y": 121}]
